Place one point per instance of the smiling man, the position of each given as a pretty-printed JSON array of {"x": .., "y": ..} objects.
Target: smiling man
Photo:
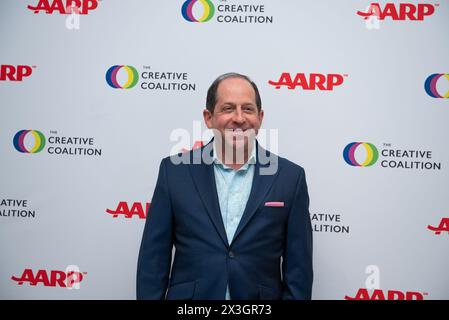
[{"x": 239, "y": 233}]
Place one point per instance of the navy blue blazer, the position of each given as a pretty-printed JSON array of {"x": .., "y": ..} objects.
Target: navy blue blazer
[{"x": 185, "y": 212}]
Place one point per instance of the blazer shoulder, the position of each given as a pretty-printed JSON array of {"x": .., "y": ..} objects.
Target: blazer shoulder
[
  {"x": 291, "y": 166},
  {"x": 181, "y": 160}
]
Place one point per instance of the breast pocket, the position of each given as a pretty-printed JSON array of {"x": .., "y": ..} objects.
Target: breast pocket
[{"x": 274, "y": 212}]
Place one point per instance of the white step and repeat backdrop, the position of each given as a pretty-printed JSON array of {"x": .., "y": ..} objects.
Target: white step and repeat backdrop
[{"x": 94, "y": 93}]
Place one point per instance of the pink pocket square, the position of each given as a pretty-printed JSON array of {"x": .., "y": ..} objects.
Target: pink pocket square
[{"x": 274, "y": 204}]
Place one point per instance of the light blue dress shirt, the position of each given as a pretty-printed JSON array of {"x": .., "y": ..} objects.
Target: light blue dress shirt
[{"x": 233, "y": 188}]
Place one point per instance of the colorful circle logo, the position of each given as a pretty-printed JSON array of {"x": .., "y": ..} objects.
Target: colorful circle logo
[
  {"x": 431, "y": 85},
  {"x": 371, "y": 154},
  {"x": 39, "y": 141},
  {"x": 111, "y": 77},
  {"x": 208, "y": 10}
]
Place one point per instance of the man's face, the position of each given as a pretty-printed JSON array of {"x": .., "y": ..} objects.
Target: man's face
[{"x": 235, "y": 115}]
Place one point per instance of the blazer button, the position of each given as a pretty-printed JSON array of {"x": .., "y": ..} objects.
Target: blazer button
[{"x": 231, "y": 254}]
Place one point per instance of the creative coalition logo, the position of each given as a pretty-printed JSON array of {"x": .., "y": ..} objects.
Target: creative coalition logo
[
  {"x": 372, "y": 290},
  {"x": 371, "y": 154},
  {"x": 34, "y": 141},
  {"x": 137, "y": 209},
  {"x": 431, "y": 85},
  {"x": 312, "y": 81},
  {"x": 442, "y": 227},
  {"x": 37, "y": 146},
  {"x": 399, "y": 11},
  {"x": 225, "y": 12},
  {"x": 70, "y": 278},
  {"x": 208, "y": 10},
  {"x": 131, "y": 79},
  {"x": 365, "y": 154},
  {"x": 328, "y": 223},
  {"x": 126, "y": 77},
  {"x": 15, "y": 73},
  {"x": 16, "y": 208},
  {"x": 64, "y": 7}
]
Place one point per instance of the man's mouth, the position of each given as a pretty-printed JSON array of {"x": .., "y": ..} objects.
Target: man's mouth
[{"x": 238, "y": 132}]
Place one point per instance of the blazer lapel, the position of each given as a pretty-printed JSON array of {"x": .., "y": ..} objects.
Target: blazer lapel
[
  {"x": 204, "y": 179},
  {"x": 260, "y": 187}
]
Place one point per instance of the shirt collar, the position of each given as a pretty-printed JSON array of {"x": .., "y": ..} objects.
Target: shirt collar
[{"x": 251, "y": 159}]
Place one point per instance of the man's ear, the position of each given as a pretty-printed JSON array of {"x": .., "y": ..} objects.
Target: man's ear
[
  {"x": 207, "y": 115},
  {"x": 261, "y": 114}
]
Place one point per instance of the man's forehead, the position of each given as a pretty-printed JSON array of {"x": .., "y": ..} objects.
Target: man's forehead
[{"x": 235, "y": 85}]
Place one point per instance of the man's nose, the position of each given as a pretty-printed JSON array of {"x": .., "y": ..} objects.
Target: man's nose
[{"x": 238, "y": 116}]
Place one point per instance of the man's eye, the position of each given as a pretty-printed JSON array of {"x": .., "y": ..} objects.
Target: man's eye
[{"x": 227, "y": 109}]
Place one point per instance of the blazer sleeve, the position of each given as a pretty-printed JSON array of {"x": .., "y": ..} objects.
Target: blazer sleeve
[
  {"x": 153, "y": 266},
  {"x": 297, "y": 266}
]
